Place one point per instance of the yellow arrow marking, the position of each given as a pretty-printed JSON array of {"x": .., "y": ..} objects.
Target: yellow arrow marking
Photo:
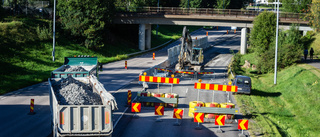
[
  {"x": 177, "y": 113},
  {"x": 242, "y": 124},
  {"x": 135, "y": 107},
  {"x": 158, "y": 110},
  {"x": 219, "y": 120},
  {"x": 198, "y": 117}
]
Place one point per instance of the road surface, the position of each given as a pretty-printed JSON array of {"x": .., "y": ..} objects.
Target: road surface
[{"x": 15, "y": 105}]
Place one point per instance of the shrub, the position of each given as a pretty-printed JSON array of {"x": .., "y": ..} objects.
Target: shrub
[{"x": 44, "y": 33}]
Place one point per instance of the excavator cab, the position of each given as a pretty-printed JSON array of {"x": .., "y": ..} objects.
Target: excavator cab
[{"x": 197, "y": 56}]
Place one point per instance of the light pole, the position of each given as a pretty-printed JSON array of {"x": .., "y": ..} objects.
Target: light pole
[
  {"x": 276, "y": 53},
  {"x": 223, "y": 5},
  {"x": 54, "y": 29}
]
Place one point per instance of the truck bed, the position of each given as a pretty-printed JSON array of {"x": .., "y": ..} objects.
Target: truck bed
[
  {"x": 90, "y": 64},
  {"x": 82, "y": 120}
]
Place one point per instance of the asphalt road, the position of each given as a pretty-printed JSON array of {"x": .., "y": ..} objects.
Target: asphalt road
[
  {"x": 144, "y": 124},
  {"x": 15, "y": 105}
]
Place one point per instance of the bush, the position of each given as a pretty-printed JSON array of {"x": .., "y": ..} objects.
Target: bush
[
  {"x": 236, "y": 63},
  {"x": 44, "y": 33},
  {"x": 266, "y": 61},
  {"x": 263, "y": 33}
]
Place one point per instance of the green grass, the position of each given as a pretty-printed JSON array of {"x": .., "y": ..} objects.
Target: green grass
[
  {"x": 26, "y": 60},
  {"x": 290, "y": 108},
  {"x": 168, "y": 32}
]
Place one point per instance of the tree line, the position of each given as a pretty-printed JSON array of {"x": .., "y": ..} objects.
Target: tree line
[{"x": 88, "y": 21}]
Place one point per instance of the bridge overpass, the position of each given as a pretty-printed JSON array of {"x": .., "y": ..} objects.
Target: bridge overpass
[{"x": 146, "y": 16}]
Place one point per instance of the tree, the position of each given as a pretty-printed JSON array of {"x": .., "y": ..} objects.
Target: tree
[
  {"x": 222, "y": 4},
  {"x": 290, "y": 46},
  {"x": 295, "y": 6},
  {"x": 238, "y": 4},
  {"x": 261, "y": 40},
  {"x": 192, "y": 3},
  {"x": 263, "y": 33},
  {"x": 86, "y": 19},
  {"x": 1, "y": 10},
  {"x": 313, "y": 15}
]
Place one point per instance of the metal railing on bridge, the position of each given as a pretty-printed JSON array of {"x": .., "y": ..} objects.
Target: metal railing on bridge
[{"x": 238, "y": 13}]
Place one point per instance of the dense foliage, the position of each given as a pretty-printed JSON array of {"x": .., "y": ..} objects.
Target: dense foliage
[
  {"x": 191, "y": 3},
  {"x": 263, "y": 33},
  {"x": 86, "y": 19},
  {"x": 222, "y": 4},
  {"x": 296, "y": 6},
  {"x": 1, "y": 10},
  {"x": 313, "y": 15},
  {"x": 262, "y": 41}
]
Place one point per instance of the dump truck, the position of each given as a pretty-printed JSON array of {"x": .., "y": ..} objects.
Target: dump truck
[
  {"x": 190, "y": 57},
  {"x": 78, "y": 66},
  {"x": 80, "y": 106}
]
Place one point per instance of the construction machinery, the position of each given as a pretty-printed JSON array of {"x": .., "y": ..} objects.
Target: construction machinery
[{"x": 191, "y": 56}]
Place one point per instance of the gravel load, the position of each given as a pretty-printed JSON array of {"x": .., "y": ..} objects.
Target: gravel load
[
  {"x": 74, "y": 69},
  {"x": 70, "y": 91}
]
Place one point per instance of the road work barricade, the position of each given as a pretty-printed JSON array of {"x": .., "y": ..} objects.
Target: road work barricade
[
  {"x": 211, "y": 104},
  {"x": 192, "y": 105},
  {"x": 225, "y": 108},
  {"x": 228, "y": 105},
  {"x": 158, "y": 99},
  {"x": 159, "y": 72}
]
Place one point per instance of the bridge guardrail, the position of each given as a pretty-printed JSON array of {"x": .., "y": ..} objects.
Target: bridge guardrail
[{"x": 210, "y": 12}]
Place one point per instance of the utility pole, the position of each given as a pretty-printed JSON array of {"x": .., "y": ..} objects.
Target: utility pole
[
  {"x": 276, "y": 54},
  {"x": 223, "y": 4},
  {"x": 157, "y": 24},
  {"x": 54, "y": 30}
]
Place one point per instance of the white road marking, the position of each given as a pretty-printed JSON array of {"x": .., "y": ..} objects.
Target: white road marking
[{"x": 114, "y": 126}]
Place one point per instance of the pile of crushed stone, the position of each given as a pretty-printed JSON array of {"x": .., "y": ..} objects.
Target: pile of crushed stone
[
  {"x": 74, "y": 69},
  {"x": 70, "y": 91}
]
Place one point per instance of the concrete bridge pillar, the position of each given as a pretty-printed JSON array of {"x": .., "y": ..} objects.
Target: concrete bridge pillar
[
  {"x": 144, "y": 36},
  {"x": 243, "y": 47},
  {"x": 305, "y": 32}
]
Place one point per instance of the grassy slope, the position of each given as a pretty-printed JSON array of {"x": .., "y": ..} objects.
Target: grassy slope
[
  {"x": 289, "y": 108},
  {"x": 29, "y": 60}
]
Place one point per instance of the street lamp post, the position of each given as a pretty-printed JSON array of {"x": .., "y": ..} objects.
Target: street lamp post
[
  {"x": 276, "y": 53},
  {"x": 54, "y": 30}
]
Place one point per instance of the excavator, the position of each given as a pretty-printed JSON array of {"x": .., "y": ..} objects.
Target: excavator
[{"x": 191, "y": 56}]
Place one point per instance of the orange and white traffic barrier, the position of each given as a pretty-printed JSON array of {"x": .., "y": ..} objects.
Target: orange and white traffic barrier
[
  {"x": 31, "y": 107},
  {"x": 125, "y": 65},
  {"x": 235, "y": 31},
  {"x": 129, "y": 97},
  {"x": 207, "y": 33},
  {"x": 154, "y": 56},
  {"x": 227, "y": 31}
]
